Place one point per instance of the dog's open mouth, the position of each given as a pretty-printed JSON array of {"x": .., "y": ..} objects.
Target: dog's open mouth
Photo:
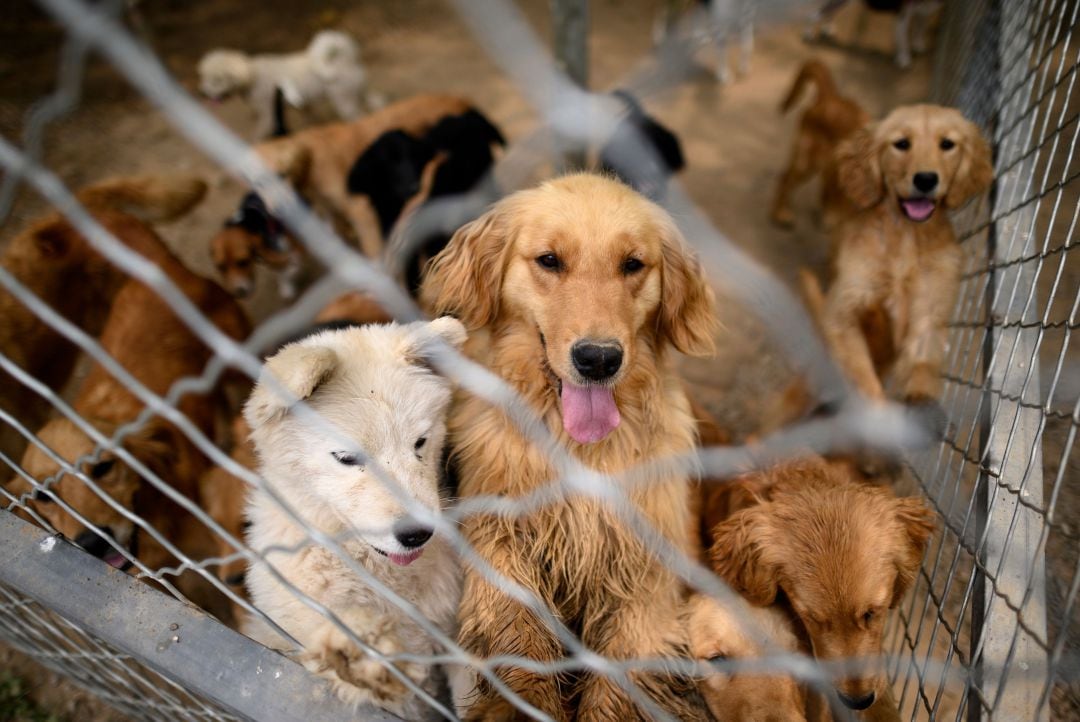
[
  {"x": 918, "y": 209},
  {"x": 402, "y": 560},
  {"x": 117, "y": 560},
  {"x": 589, "y": 412}
]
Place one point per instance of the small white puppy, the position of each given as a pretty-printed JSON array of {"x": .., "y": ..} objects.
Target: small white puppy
[
  {"x": 329, "y": 69},
  {"x": 376, "y": 400}
]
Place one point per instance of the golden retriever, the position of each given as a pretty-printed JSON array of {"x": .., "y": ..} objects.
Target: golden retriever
[
  {"x": 316, "y": 161},
  {"x": 896, "y": 262},
  {"x": 144, "y": 336},
  {"x": 828, "y": 120},
  {"x": 718, "y": 633},
  {"x": 576, "y": 292},
  {"x": 840, "y": 552},
  {"x": 59, "y": 266}
]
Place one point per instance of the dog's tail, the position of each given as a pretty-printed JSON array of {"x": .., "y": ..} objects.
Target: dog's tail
[
  {"x": 812, "y": 72},
  {"x": 332, "y": 50},
  {"x": 152, "y": 198}
]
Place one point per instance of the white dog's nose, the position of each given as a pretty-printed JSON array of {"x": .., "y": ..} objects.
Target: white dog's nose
[{"x": 410, "y": 535}]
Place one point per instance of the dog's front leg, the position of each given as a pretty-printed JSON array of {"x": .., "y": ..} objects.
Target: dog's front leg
[
  {"x": 853, "y": 291},
  {"x": 493, "y": 624}
]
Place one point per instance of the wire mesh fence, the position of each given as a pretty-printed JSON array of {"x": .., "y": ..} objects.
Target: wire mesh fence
[{"x": 988, "y": 631}]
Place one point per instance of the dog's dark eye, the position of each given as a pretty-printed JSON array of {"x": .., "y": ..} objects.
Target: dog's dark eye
[
  {"x": 549, "y": 261},
  {"x": 868, "y": 616},
  {"x": 717, "y": 658},
  {"x": 245, "y": 526},
  {"x": 947, "y": 144},
  {"x": 347, "y": 458},
  {"x": 41, "y": 496},
  {"x": 631, "y": 266},
  {"x": 243, "y": 263},
  {"x": 902, "y": 144},
  {"x": 235, "y": 580},
  {"x": 101, "y": 468},
  {"x": 420, "y": 443}
]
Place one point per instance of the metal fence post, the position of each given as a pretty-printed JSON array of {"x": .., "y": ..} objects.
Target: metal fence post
[{"x": 1009, "y": 661}]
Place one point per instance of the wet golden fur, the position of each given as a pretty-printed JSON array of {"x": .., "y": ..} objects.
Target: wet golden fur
[
  {"x": 58, "y": 264},
  {"x": 576, "y": 556},
  {"x": 894, "y": 280},
  {"x": 839, "y": 552},
  {"x": 828, "y": 120}
]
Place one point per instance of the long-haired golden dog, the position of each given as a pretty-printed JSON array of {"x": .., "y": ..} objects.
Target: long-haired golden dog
[
  {"x": 576, "y": 293},
  {"x": 896, "y": 262},
  {"x": 841, "y": 553}
]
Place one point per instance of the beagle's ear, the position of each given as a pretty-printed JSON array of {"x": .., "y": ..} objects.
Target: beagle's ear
[
  {"x": 736, "y": 556},
  {"x": 976, "y": 170},
  {"x": 417, "y": 344},
  {"x": 299, "y": 370},
  {"x": 465, "y": 279},
  {"x": 687, "y": 316},
  {"x": 858, "y": 169},
  {"x": 918, "y": 522}
]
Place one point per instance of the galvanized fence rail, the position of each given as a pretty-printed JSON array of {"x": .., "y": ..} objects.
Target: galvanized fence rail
[{"x": 989, "y": 632}]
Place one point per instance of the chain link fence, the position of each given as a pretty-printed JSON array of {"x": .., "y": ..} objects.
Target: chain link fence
[{"x": 989, "y": 632}]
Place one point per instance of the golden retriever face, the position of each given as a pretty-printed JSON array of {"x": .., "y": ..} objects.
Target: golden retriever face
[
  {"x": 719, "y": 634},
  {"x": 918, "y": 158},
  {"x": 843, "y": 555},
  {"x": 600, "y": 274},
  {"x": 235, "y": 251},
  {"x": 115, "y": 479}
]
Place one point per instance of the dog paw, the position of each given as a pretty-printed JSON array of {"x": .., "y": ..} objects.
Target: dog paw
[{"x": 359, "y": 678}]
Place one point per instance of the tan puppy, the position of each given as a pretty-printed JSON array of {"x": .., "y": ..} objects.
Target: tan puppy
[
  {"x": 896, "y": 262},
  {"x": 826, "y": 122},
  {"x": 718, "y": 633},
  {"x": 579, "y": 291},
  {"x": 842, "y": 552},
  {"x": 317, "y": 161},
  {"x": 144, "y": 336},
  {"x": 58, "y": 265}
]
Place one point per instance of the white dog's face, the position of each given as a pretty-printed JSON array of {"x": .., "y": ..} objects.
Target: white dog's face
[
  {"x": 376, "y": 421},
  {"x": 222, "y": 73}
]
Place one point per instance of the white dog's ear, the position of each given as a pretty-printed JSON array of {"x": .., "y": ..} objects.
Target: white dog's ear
[
  {"x": 299, "y": 370},
  {"x": 417, "y": 344}
]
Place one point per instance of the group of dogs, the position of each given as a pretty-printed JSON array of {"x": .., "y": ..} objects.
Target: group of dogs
[{"x": 578, "y": 293}]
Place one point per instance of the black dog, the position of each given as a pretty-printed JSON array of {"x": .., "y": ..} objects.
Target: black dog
[
  {"x": 641, "y": 152},
  {"x": 389, "y": 172}
]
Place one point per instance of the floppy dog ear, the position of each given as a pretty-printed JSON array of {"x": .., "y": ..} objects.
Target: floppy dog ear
[
  {"x": 465, "y": 279},
  {"x": 918, "y": 523},
  {"x": 416, "y": 347},
  {"x": 976, "y": 170},
  {"x": 299, "y": 369},
  {"x": 858, "y": 170},
  {"x": 687, "y": 314},
  {"x": 736, "y": 556}
]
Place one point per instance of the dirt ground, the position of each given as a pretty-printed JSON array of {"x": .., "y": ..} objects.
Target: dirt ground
[{"x": 734, "y": 139}]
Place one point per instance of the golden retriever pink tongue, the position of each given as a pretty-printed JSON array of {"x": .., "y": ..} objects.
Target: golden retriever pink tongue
[
  {"x": 589, "y": 412},
  {"x": 918, "y": 209}
]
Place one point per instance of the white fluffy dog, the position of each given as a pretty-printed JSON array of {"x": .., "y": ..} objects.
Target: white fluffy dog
[
  {"x": 329, "y": 69},
  {"x": 376, "y": 400}
]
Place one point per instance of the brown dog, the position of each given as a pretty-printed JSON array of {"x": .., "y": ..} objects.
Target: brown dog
[
  {"x": 896, "y": 263},
  {"x": 575, "y": 292},
  {"x": 719, "y": 634},
  {"x": 825, "y": 123},
  {"x": 841, "y": 552},
  {"x": 144, "y": 336},
  {"x": 316, "y": 161},
  {"x": 58, "y": 265}
]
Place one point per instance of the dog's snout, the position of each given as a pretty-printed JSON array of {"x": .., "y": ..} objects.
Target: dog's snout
[
  {"x": 94, "y": 543},
  {"x": 857, "y": 703},
  {"x": 925, "y": 181},
  {"x": 597, "y": 361},
  {"x": 411, "y": 536}
]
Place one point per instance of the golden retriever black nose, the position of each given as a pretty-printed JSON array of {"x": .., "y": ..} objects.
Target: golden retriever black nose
[
  {"x": 925, "y": 182},
  {"x": 596, "y": 361},
  {"x": 856, "y": 703},
  {"x": 412, "y": 537},
  {"x": 93, "y": 543}
]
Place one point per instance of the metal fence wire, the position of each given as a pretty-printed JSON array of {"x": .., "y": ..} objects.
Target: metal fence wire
[{"x": 990, "y": 631}]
